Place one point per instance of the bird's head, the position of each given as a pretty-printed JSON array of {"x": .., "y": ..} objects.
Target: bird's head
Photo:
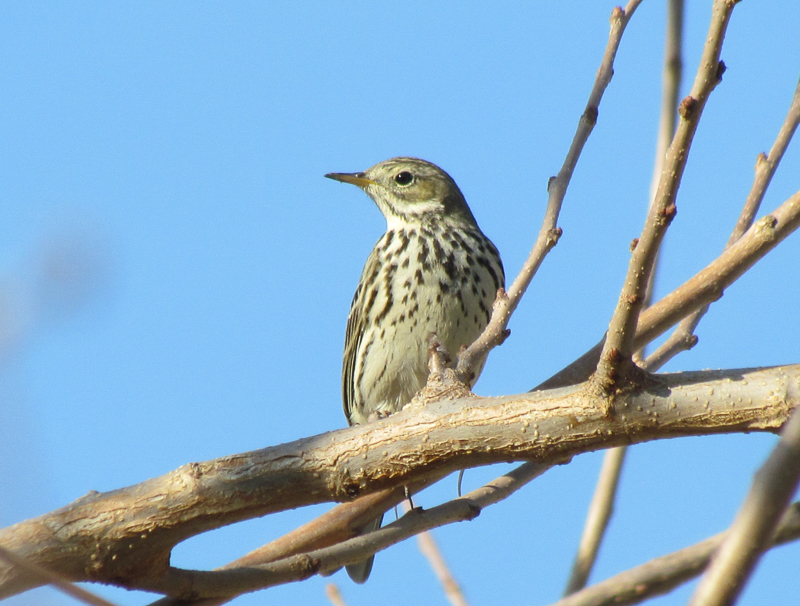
[{"x": 409, "y": 190}]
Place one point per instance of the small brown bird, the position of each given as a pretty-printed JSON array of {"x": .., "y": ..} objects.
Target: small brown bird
[{"x": 432, "y": 272}]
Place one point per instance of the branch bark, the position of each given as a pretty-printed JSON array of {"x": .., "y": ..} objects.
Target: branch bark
[{"x": 125, "y": 536}]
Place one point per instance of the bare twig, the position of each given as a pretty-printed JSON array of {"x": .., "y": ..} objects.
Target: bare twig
[
  {"x": 48, "y": 578},
  {"x": 506, "y": 302},
  {"x": 653, "y": 322},
  {"x": 620, "y": 342},
  {"x": 774, "y": 484},
  {"x": 766, "y": 167},
  {"x": 683, "y": 337},
  {"x": 664, "y": 573},
  {"x": 671, "y": 76},
  {"x": 429, "y": 548}
]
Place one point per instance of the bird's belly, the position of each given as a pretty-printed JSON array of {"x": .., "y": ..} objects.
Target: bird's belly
[{"x": 396, "y": 365}]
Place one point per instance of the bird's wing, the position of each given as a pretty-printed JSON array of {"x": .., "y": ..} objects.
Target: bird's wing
[{"x": 355, "y": 331}]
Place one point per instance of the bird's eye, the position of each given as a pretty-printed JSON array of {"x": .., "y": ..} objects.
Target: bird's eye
[{"x": 403, "y": 179}]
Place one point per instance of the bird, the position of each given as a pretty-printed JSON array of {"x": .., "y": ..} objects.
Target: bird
[{"x": 432, "y": 273}]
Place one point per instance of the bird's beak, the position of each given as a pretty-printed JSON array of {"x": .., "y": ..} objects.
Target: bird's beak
[{"x": 354, "y": 178}]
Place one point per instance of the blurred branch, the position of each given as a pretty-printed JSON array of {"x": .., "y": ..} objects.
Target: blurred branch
[
  {"x": 600, "y": 510},
  {"x": 429, "y": 548},
  {"x": 749, "y": 536},
  {"x": 663, "y": 574},
  {"x": 506, "y": 302},
  {"x": 333, "y": 595},
  {"x": 671, "y": 76}
]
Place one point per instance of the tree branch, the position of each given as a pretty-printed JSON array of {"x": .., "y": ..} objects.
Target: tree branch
[
  {"x": 602, "y": 505},
  {"x": 428, "y": 547},
  {"x": 620, "y": 341},
  {"x": 653, "y": 322},
  {"x": 131, "y": 531},
  {"x": 683, "y": 338},
  {"x": 661, "y": 575},
  {"x": 766, "y": 167},
  {"x": 600, "y": 511},
  {"x": 704, "y": 287},
  {"x": 752, "y": 530},
  {"x": 489, "y": 494}
]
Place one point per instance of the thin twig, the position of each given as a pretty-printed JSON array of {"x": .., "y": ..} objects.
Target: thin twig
[
  {"x": 507, "y": 301},
  {"x": 620, "y": 342},
  {"x": 683, "y": 337},
  {"x": 663, "y": 574},
  {"x": 671, "y": 76},
  {"x": 229, "y": 583},
  {"x": 53, "y": 579},
  {"x": 766, "y": 167},
  {"x": 749, "y": 535},
  {"x": 429, "y": 548}
]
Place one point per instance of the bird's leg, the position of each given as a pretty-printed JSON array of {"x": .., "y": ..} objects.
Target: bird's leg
[
  {"x": 438, "y": 356},
  {"x": 407, "y": 494}
]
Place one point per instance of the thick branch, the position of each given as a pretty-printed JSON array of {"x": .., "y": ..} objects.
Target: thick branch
[{"x": 126, "y": 535}]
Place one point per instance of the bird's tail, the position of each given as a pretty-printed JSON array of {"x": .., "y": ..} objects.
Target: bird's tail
[{"x": 359, "y": 571}]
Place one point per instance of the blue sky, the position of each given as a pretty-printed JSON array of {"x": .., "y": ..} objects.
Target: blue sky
[{"x": 175, "y": 272}]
